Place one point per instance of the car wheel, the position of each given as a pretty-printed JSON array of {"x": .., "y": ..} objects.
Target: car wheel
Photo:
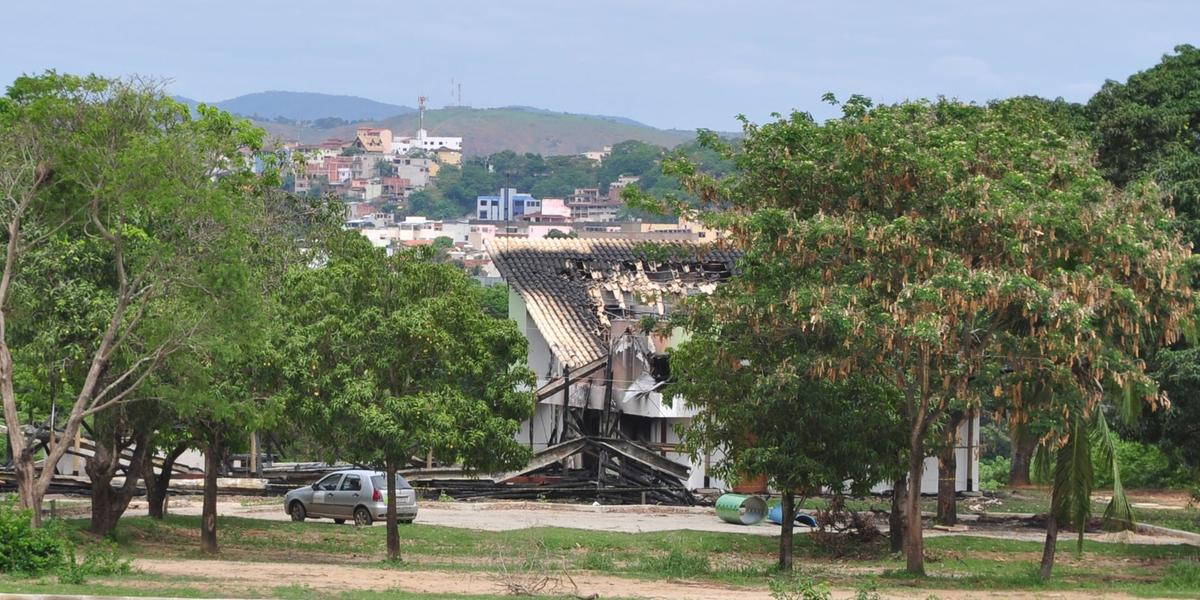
[
  {"x": 339, "y": 521},
  {"x": 298, "y": 513},
  {"x": 362, "y": 516}
]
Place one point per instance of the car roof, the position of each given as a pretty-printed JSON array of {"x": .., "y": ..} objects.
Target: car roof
[{"x": 357, "y": 472}]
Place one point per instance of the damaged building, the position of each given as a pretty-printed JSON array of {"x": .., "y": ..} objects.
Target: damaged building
[{"x": 587, "y": 307}]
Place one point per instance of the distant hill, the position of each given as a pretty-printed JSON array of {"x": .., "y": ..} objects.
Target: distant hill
[
  {"x": 307, "y": 106},
  {"x": 489, "y": 130}
]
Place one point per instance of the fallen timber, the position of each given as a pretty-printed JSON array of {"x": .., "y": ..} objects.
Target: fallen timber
[{"x": 614, "y": 471}]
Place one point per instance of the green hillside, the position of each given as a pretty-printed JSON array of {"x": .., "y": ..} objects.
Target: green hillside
[{"x": 490, "y": 130}]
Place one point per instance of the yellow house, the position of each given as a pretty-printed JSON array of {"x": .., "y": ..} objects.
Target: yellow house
[{"x": 448, "y": 156}]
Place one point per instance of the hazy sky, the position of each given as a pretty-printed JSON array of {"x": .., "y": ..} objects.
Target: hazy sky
[{"x": 669, "y": 63}]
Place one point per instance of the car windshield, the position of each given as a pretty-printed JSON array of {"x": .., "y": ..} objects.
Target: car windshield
[{"x": 378, "y": 482}]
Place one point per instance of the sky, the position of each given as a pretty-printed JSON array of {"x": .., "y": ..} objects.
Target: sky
[{"x": 680, "y": 64}]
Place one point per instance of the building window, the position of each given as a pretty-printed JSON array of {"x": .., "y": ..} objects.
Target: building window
[{"x": 483, "y": 214}]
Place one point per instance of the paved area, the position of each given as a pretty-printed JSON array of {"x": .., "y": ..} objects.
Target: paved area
[{"x": 510, "y": 515}]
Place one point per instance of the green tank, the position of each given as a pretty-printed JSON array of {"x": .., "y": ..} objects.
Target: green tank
[{"x": 740, "y": 509}]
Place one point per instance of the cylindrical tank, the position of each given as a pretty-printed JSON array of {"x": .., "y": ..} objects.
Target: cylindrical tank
[
  {"x": 740, "y": 509},
  {"x": 775, "y": 515}
]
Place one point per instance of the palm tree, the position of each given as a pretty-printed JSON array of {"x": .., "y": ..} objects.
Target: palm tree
[{"x": 1073, "y": 478}]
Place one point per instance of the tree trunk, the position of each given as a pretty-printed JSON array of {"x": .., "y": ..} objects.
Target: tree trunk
[
  {"x": 914, "y": 543},
  {"x": 108, "y": 503},
  {"x": 393, "y": 528},
  {"x": 1050, "y": 546},
  {"x": 1023, "y": 444},
  {"x": 208, "y": 517},
  {"x": 947, "y": 508},
  {"x": 785, "y": 530},
  {"x": 27, "y": 490},
  {"x": 896, "y": 517},
  {"x": 157, "y": 484}
]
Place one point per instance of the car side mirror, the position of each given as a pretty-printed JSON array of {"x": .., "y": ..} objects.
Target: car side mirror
[{"x": 316, "y": 486}]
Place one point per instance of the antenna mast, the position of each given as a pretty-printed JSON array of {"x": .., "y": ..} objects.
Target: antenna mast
[{"x": 421, "y": 104}]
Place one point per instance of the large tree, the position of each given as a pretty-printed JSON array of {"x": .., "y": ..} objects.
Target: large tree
[
  {"x": 746, "y": 370},
  {"x": 121, "y": 166},
  {"x": 1148, "y": 128},
  {"x": 949, "y": 249},
  {"x": 390, "y": 357}
]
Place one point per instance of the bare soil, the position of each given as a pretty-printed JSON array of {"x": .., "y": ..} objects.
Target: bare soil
[{"x": 233, "y": 577}]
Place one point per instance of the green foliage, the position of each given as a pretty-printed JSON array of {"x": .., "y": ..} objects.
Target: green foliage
[
  {"x": 102, "y": 560},
  {"x": 798, "y": 587},
  {"x": 1183, "y": 575},
  {"x": 400, "y": 355},
  {"x": 25, "y": 550},
  {"x": 676, "y": 564},
  {"x": 456, "y": 188},
  {"x": 495, "y": 300},
  {"x": 994, "y": 472},
  {"x": 1142, "y": 466},
  {"x": 951, "y": 254}
]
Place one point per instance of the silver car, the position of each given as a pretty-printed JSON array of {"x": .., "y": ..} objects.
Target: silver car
[{"x": 353, "y": 494}]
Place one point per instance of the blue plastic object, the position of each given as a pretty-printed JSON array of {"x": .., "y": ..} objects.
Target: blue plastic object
[{"x": 775, "y": 515}]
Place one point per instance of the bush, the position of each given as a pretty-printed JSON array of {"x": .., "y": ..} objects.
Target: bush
[
  {"x": 25, "y": 550},
  {"x": 1142, "y": 466},
  {"x": 100, "y": 560},
  {"x": 994, "y": 472},
  {"x": 798, "y": 587}
]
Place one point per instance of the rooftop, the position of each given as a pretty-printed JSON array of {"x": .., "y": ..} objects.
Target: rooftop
[{"x": 573, "y": 287}]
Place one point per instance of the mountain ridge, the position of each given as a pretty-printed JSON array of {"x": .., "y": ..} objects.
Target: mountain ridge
[{"x": 310, "y": 117}]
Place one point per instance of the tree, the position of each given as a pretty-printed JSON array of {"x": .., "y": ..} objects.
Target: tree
[
  {"x": 387, "y": 357},
  {"x": 385, "y": 168},
  {"x": 1146, "y": 129},
  {"x": 120, "y": 165},
  {"x": 957, "y": 252},
  {"x": 746, "y": 371}
]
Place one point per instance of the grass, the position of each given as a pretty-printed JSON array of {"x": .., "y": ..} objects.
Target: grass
[
  {"x": 152, "y": 587},
  {"x": 956, "y": 562},
  {"x": 1028, "y": 500}
]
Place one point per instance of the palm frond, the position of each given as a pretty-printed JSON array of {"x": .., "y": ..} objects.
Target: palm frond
[
  {"x": 1074, "y": 479},
  {"x": 1129, "y": 405},
  {"x": 1040, "y": 466},
  {"x": 1118, "y": 514}
]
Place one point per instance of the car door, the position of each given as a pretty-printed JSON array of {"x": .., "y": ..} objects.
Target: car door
[
  {"x": 323, "y": 496},
  {"x": 347, "y": 496}
]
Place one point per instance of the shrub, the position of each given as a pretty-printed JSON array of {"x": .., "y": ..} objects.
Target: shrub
[
  {"x": 1142, "y": 466},
  {"x": 994, "y": 472},
  {"x": 25, "y": 550},
  {"x": 843, "y": 532},
  {"x": 798, "y": 587}
]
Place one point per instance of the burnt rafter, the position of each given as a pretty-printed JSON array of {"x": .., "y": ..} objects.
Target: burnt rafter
[{"x": 574, "y": 287}]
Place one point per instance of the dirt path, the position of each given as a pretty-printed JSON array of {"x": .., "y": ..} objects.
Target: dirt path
[{"x": 229, "y": 577}]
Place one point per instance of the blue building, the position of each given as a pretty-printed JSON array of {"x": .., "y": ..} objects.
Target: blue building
[{"x": 506, "y": 206}]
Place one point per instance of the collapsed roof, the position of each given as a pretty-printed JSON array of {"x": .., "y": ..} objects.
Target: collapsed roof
[{"x": 573, "y": 287}]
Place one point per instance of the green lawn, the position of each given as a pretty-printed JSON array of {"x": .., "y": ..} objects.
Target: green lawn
[
  {"x": 956, "y": 562},
  {"x": 1030, "y": 500}
]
